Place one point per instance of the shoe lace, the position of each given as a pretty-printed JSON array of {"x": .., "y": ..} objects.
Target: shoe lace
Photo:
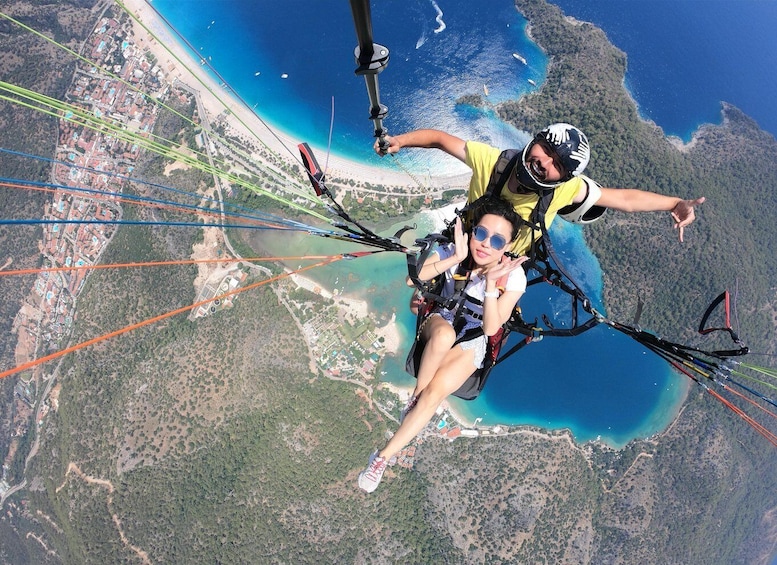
[{"x": 377, "y": 467}]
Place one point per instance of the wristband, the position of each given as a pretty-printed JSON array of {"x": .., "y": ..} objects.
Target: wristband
[{"x": 493, "y": 294}]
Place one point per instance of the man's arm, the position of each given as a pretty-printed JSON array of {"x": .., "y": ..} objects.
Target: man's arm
[
  {"x": 426, "y": 138},
  {"x": 634, "y": 200}
]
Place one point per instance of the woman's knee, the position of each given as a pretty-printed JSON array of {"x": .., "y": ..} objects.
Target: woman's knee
[
  {"x": 440, "y": 387},
  {"x": 441, "y": 336}
]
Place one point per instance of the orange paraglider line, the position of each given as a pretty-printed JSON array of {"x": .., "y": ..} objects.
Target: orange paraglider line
[
  {"x": 748, "y": 400},
  {"x": 765, "y": 432},
  {"x": 126, "y": 329},
  {"x": 761, "y": 429},
  {"x": 156, "y": 264}
]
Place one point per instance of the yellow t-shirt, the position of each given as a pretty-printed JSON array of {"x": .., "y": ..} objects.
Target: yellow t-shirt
[{"x": 481, "y": 158}]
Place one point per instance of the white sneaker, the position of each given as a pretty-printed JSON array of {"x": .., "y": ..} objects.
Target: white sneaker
[{"x": 369, "y": 479}]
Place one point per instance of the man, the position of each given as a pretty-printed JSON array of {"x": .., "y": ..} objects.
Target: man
[{"x": 552, "y": 161}]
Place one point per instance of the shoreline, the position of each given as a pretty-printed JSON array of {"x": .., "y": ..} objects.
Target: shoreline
[
  {"x": 178, "y": 63},
  {"x": 356, "y": 308}
]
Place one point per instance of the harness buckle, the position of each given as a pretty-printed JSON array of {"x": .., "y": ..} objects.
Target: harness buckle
[{"x": 536, "y": 335}]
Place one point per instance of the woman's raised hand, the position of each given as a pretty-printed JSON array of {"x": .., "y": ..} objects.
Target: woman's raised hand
[
  {"x": 461, "y": 241},
  {"x": 504, "y": 267}
]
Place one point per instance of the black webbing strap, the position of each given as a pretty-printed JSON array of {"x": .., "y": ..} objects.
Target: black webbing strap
[
  {"x": 540, "y": 254},
  {"x": 502, "y": 170}
]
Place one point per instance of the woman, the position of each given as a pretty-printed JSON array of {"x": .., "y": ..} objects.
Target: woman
[{"x": 450, "y": 356}]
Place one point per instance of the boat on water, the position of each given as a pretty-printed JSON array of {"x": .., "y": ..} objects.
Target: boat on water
[
  {"x": 531, "y": 82},
  {"x": 519, "y": 58},
  {"x": 485, "y": 89}
]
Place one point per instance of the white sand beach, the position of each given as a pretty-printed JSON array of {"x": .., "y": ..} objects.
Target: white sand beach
[{"x": 178, "y": 63}]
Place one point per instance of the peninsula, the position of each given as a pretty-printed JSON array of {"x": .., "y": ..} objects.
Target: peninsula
[{"x": 203, "y": 440}]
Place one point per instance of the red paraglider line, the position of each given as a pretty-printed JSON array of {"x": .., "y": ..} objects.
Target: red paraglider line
[
  {"x": 761, "y": 429},
  {"x": 766, "y": 433}
]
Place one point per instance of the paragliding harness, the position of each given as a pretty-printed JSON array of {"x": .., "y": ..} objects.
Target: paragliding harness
[
  {"x": 430, "y": 293},
  {"x": 543, "y": 260},
  {"x": 432, "y": 300},
  {"x": 702, "y": 367}
]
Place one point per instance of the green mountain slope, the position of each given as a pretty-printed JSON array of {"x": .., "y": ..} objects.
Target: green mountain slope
[{"x": 199, "y": 442}]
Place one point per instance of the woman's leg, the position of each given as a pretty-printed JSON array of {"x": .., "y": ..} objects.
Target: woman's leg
[
  {"x": 455, "y": 368},
  {"x": 438, "y": 338}
]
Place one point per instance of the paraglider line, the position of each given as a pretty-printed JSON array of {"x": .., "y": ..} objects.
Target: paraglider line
[
  {"x": 144, "y": 201},
  {"x": 19, "y": 272},
  {"x": 126, "y": 178},
  {"x": 126, "y": 329}
]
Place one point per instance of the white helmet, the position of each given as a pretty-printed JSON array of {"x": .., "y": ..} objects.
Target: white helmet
[{"x": 571, "y": 147}]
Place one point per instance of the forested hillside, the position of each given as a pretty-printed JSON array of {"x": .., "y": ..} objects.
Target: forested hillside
[
  {"x": 731, "y": 244},
  {"x": 214, "y": 441}
]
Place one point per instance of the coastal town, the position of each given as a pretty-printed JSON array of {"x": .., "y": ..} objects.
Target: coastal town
[
  {"x": 89, "y": 170},
  {"x": 123, "y": 85},
  {"x": 234, "y": 431}
]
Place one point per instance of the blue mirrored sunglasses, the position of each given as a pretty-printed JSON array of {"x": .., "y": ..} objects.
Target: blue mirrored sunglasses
[{"x": 496, "y": 242}]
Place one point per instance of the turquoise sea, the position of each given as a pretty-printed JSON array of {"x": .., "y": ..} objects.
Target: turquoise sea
[{"x": 293, "y": 61}]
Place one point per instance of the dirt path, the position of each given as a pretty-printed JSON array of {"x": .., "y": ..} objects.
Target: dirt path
[{"x": 73, "y": 468}]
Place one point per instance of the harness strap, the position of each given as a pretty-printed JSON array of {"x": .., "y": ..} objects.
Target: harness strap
[
  {"x": 500, "y": 174},
  {"x": 725, "y": 297},
  {"x": 502, "y": 170},
  {"x": 541, "y": 252},
  {"x": 416, "y": 261}
]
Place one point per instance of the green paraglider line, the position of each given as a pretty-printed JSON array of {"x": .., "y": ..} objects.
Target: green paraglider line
[
  {"x": 134, "y": 88},
  {"x": 78, "y": 116},
  {"x": 768, "y": 371},
  {"x": 755, "y": 380}
]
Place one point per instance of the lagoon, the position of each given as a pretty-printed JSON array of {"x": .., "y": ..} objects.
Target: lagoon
[{"x": 600, "y": 385}]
